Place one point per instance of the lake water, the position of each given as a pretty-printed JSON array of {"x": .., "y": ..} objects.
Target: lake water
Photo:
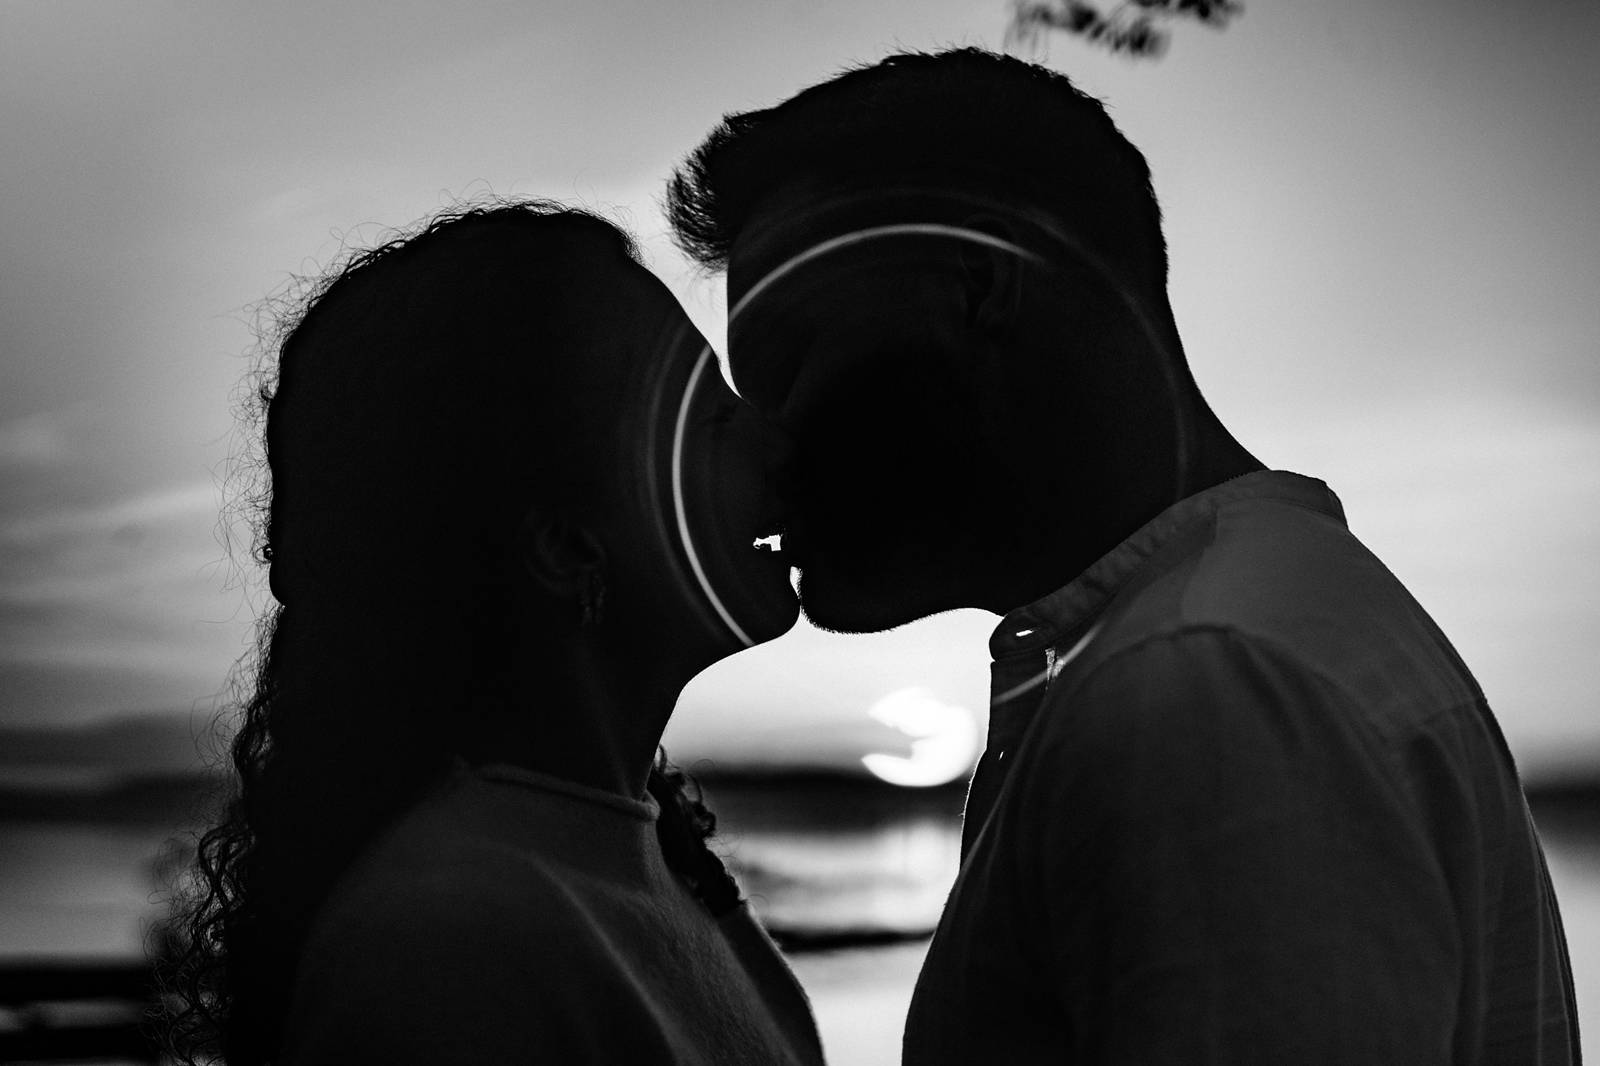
[{"x": 82, "y": 889}]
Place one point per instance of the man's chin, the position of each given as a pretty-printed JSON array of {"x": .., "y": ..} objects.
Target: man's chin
[{"x": 841, "y": 606}]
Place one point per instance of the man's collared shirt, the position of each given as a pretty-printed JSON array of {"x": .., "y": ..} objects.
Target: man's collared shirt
[{"x": 1243, "y": 803}]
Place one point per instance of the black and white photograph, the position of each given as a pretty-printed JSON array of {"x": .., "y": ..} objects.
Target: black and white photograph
[{"x": 990, "y": 532}]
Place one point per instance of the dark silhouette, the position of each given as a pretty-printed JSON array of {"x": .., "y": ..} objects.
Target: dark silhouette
[
  {"x": 443, "y": 844},
  {"x": 1241, "y": 801}
]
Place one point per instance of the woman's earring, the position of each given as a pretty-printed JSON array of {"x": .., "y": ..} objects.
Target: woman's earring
[{"x": 592, "y": 600}]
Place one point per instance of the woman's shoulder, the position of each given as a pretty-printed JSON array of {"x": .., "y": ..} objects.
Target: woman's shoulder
[
  {"x": 411, "y": 945},
  {"x": 480, "y": 916},
  {"x": 480, "y": 960},
  {"x": 474, "y": 883},
  {"x": 436, "y": 871}
]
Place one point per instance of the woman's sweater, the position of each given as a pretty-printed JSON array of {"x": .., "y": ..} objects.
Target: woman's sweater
[{"x": 516, "y": 917}]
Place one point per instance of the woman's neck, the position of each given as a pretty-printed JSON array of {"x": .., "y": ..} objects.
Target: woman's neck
[{"x": 581, "y": 710}]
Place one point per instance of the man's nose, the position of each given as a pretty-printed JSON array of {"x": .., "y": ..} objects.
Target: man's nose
[
  {"x": 779, "y": 454},
  {"x": 781, "y": 450}
]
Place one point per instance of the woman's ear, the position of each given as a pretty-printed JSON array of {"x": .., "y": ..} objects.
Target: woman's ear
[
  {"x": 561, "y": 555},
  {"x": 991, "y": 278}
]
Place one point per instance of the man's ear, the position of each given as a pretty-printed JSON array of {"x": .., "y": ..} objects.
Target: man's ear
[
  {"x": 991, "y": 278},
  {"x": 558, "y": 553}
]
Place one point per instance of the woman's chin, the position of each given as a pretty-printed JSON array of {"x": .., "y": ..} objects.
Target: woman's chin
[
  {"x": 767, "y": 606},
  {"x": 745, "y": 592},
  {"x": 777, "y": 622}
]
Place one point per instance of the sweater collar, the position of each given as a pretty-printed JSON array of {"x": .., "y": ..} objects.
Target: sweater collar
[{"x": 644, "y": 809}]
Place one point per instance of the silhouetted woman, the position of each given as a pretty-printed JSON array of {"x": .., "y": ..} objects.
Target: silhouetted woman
[{"x": 452, "y": 839}]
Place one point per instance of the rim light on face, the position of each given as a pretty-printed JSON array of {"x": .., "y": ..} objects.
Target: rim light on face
[
  {"x": 860, "y": 236},
  {"x": 827, "y": 247},
  {"x": 681, "y": 511},
  {"x": 679, "y": 505}
]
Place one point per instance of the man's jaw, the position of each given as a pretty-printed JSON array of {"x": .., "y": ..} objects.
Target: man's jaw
[{"x": 835, "y": 603}]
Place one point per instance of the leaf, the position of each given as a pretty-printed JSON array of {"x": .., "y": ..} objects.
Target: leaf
[{"x": 1122, "y": 31}]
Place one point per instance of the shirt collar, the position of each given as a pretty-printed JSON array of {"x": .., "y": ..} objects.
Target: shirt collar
[{"x": 1072, "y": 609}]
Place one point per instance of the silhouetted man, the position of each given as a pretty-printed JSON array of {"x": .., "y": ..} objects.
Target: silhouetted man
[{"x": 1241, "y": 801}]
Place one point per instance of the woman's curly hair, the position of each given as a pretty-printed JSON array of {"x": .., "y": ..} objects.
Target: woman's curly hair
[{"x": 388, "y": 446}]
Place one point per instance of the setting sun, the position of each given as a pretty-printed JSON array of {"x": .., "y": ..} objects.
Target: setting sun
[{"x": 944, "y": 739}]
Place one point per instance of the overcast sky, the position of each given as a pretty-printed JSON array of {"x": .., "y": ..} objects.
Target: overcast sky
[{"x": 1386, "y": 258}]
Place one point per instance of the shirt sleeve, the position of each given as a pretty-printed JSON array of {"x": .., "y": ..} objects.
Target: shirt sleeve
[
  {"x": 457, "y": 970},
  {"x": 1228, "y": 868}
]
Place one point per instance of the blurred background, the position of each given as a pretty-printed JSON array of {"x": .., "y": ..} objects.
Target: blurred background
[{"x": 1383, "y": 227}]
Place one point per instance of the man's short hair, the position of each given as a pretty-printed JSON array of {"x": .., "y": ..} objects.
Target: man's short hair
[{"x": 999, "y": 122}]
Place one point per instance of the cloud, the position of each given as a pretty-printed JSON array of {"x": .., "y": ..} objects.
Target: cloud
[
  {"x": 127, "y": 604},
  {"x": 148, "y": 509},
  {"x": 44, "y": 438}
]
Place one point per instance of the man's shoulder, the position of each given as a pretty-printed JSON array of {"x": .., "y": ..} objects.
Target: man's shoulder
[
  {"x": 1268, "y": 582},
  {"x": 1261, "y": 567},
  {"x": 1185, "y": 679}
]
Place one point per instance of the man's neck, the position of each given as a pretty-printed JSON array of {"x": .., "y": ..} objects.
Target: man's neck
[
  {"x": 1059, "y": 552},
  {"x": 1217, "y": 457}
]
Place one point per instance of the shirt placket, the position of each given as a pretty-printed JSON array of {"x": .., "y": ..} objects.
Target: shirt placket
[{"x": 1017, "y": 686}]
